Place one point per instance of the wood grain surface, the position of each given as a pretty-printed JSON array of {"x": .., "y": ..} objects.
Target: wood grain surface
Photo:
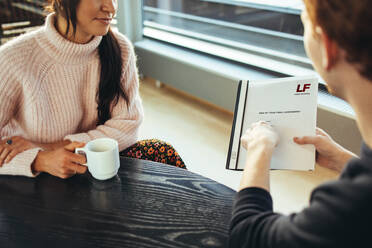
[{"x": 146, "y": 205}]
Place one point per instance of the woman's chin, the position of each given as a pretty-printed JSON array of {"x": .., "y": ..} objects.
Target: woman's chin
[{"x": 102, "y": 31}]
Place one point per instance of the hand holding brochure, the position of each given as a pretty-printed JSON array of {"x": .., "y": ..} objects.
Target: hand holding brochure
[{"x": 289, "y": 105}]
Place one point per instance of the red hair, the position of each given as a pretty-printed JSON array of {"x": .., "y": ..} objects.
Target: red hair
[{"x": 347, "y": 22}]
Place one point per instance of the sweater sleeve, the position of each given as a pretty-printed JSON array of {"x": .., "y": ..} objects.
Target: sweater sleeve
[
  {"x": 126, "y": 119},
  {"x": 11, "y": 95},
  {"x": 338, "y": 216}
]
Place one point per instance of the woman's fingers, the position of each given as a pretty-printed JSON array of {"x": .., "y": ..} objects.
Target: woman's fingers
[
  {"x": 12, "y": 146},
  {"x": 80, "y": 169},
  {"x": 4, "y": 154},
  {"x": 261, "y": 133},
  {"x": 313, "y": 140},
  {"x": 73, "y": 145},
  {"x": 63, "y": 162},
  {"x": 12, "y": 154},
  {"x": 76, "y": 162},
  {"x": 71, "y": 169},
  {"x": 321, "y": 138},
  {"x": 17, "y": 148},
  {"x": 78, "y": 158}
]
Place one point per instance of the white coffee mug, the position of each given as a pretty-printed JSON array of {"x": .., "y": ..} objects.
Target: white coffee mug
[{"x": 102, "y": 157}]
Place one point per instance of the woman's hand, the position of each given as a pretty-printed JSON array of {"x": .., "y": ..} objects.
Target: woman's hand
[
  {"x": 259, "y": 141},
  {"x": 260, "y": 134},
  {"x": 329, "y": 154},
  {"x": 53, "y": 146},
  {"x": 62, "y": 162},
  {"x": 9, "y": 148}
]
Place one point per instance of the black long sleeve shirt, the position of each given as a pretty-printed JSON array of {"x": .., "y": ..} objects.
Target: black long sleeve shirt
[{"x": 339, "y": 214}]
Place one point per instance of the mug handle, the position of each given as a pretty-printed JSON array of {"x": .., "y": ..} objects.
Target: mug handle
[{"x": 82, "y": 151}]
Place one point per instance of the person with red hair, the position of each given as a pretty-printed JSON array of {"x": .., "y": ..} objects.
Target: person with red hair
[{"x": 338, "y": 40}]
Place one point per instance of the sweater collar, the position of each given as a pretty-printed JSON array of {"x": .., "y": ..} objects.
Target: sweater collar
[{"x": 63, "y": 50}]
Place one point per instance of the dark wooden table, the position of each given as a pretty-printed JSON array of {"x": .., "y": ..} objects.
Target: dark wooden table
[{"x": 146, "y": 205}]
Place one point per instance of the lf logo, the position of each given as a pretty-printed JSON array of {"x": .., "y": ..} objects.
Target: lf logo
[{"x": 306, "y": 87}]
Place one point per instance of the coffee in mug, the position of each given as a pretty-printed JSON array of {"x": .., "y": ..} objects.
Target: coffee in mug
[{"x": 102, "y": 157}]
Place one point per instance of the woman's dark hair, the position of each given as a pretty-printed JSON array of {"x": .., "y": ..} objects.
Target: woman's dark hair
[{"x": 110, "y": 88}]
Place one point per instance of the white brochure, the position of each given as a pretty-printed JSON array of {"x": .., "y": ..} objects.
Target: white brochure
[{"x": 290, "y": 106}]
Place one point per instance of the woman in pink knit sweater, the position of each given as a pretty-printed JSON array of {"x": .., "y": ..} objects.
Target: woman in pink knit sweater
[{"x": 69, "y": 82}]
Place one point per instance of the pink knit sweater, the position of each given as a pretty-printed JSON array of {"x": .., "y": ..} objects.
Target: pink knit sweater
[{"x": 48, "y": 89}]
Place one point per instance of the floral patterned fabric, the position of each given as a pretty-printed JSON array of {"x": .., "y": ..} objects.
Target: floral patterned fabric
[{"x": 154, "y": 150}]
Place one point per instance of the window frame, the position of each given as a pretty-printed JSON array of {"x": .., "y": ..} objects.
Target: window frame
[{"x": 296, "y": 65}]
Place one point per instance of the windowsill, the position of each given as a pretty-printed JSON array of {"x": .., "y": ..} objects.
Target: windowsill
[
  {"x": 253, "y": 58},
  {"x": 286, "y": 6},
  {"x": 236, "y": 71}
]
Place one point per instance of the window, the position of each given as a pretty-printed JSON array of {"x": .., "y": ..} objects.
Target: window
[
  {"x": 266, "y": 28},
  {"x": 19, "y": 16}
]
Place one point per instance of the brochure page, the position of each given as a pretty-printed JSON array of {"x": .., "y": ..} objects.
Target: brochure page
[{"x": 289, "y": 105}]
